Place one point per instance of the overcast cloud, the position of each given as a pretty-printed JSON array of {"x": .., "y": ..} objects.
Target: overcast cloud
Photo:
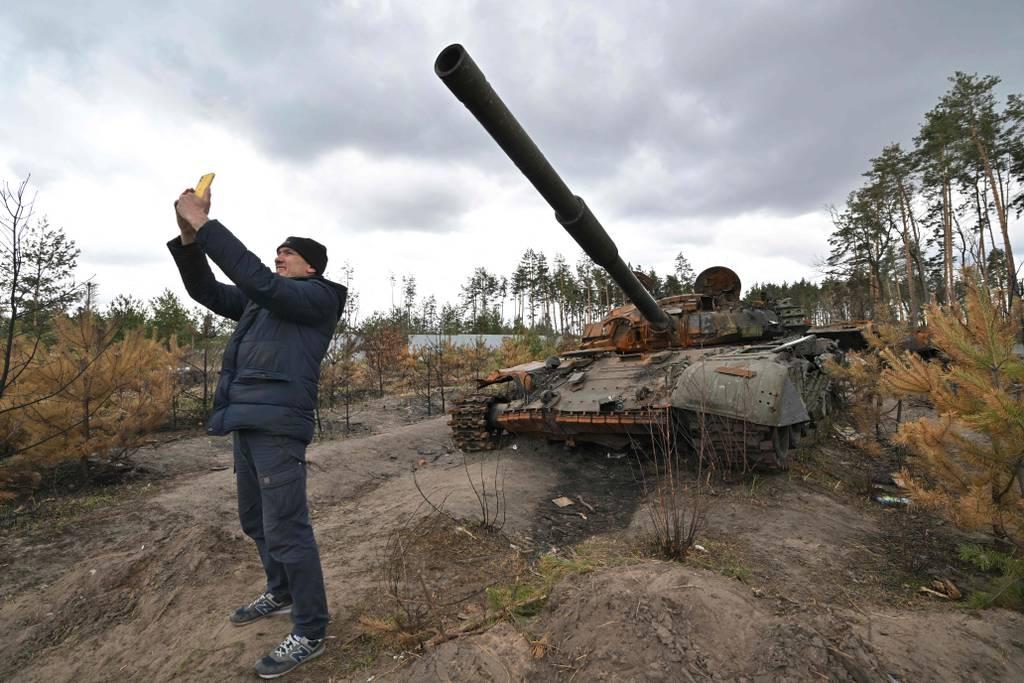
[{"x": 722, "y": 130}]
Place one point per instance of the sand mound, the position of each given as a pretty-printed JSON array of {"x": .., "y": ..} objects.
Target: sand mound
[
  {"x": 661, "y": 621},
  {"x": 119, "y": 595}
]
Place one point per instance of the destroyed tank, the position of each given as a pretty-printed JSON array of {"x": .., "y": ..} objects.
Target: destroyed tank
[{"x": 740, "y": 382}]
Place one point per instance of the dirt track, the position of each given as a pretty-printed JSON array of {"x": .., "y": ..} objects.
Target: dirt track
[{"x": 139, "y": 589}]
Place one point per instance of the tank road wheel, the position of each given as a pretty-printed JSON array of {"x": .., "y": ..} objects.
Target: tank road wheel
[
  {"x": 796, "y": 432},
  {"x": 781, "y": 439},
  {"x": 828, "y": 403}
]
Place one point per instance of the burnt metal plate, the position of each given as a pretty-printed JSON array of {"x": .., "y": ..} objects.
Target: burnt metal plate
[{"x": 736, "y": 371}]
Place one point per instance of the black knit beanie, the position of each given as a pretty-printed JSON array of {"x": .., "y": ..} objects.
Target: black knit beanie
[{"x": 311, "y": 250}]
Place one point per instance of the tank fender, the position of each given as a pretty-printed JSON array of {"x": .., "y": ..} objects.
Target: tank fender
[
  {"x": 757, "y": 390},
  {"x": 521, "y": 374}
]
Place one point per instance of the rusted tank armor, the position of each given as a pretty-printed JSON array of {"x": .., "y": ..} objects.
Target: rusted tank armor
[{"x": 741, "y": 382}]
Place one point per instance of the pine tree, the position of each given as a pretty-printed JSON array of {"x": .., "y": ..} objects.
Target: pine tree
[
  {"x": 384, "y": 346},
  {"x": 892, "y": 171},
  {"x": 972, "y": 106},
  {"x": 864, "y": 231},
  {"x": 127, "y": 312},
  {"x": 170, "y": 318},
  {"x": 973, "y": 448},
  {"x": 90, "y": 397},
  {"x": 37, "y": 264},
  {"x": 341, "y": 373},
  {"x": 684, "y": 273}
]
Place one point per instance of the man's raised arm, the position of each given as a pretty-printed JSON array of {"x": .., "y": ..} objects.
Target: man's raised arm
[{"x": 191, "y": 212}]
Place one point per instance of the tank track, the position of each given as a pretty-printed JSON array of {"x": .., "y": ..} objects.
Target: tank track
[
  {"x": 468, "y": 421},
  {"x": 739, "y": 445},
  {"x": 732, "y": 444}
]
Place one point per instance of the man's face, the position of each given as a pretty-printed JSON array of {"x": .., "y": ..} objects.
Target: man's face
[{"x": 288, "y": 263}]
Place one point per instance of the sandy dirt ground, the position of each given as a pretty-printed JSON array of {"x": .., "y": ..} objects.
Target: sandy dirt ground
[{"x": 801, "y": 578}]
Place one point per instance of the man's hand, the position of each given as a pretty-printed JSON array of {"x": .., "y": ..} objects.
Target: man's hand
[
  {"x": 192, "y": 211},
  {"x": 188, "y": 233}
]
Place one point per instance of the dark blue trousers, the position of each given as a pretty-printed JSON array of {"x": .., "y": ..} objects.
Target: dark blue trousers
[{"x": 271, "y": 476}]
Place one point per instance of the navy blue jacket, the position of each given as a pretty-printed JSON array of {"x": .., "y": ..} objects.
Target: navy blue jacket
[{"x": 271, "y": 369}]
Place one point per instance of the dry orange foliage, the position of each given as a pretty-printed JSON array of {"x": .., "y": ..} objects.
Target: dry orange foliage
[
  {"x": 972, "y": 450},
  {"x": 88, "y": 396}
]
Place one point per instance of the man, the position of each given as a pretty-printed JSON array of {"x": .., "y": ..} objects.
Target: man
[{"x": 266, "y": 397}]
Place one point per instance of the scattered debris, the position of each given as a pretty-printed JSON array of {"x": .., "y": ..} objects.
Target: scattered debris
[
  {"x": 891, "y": 501},
  {"x": 539, "y": 647},
  {"x": 585, "y": 503},
  {"x": 942, "y": 588},
  {"x": 929, "y": 591},
  {"x": 470, "y": 611},
  {"x": 848, "y": 434},
  {"x": 951, "y": 589},
  {"x": 890, "y": 490},
  {"x": 562, "y": 501}
]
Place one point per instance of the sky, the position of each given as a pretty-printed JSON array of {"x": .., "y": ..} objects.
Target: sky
[{"x": 722, "y": 130}]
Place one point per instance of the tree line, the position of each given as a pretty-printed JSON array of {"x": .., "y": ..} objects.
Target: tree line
[{"x": 924, "y": 214}]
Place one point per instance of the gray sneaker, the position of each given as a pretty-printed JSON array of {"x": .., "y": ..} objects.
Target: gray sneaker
[
  {"x": 291, "y": 653},
  {"x": 264, "y": 606}
]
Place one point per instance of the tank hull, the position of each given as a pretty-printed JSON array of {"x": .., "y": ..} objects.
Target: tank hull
[{"x": 753, "y": 394}]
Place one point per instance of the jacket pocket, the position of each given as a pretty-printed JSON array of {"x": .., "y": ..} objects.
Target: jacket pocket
[{"x": 251, "y": 375}]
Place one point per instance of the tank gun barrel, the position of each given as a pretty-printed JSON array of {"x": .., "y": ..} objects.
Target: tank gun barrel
[{"x": 463, "y": 77}]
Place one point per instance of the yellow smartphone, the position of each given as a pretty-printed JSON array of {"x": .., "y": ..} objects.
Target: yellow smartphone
[{"x": 204, "y": 184}]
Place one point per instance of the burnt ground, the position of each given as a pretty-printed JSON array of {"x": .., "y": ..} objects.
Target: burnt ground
[{"x": 801, "y": 577}]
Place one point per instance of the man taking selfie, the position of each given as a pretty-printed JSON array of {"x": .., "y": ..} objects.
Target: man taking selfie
[{"x": 266, "y": 397}]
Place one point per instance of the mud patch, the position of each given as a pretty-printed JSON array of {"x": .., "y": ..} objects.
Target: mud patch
[{"x": 604, "y": 494}]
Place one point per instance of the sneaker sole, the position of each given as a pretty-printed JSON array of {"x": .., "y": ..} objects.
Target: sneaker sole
[
  {"x": 312, "y": 656},
  {"x": 283, "y": 610}
]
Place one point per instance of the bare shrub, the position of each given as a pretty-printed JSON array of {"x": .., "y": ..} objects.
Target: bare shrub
[
  {"x": 437, "y": 572},
  {"x": 434, "y": 562},
  {"x": 402, "y": 577},
  {"x": 676, "y": 502},
  {"x": 492, "y": 503}
]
